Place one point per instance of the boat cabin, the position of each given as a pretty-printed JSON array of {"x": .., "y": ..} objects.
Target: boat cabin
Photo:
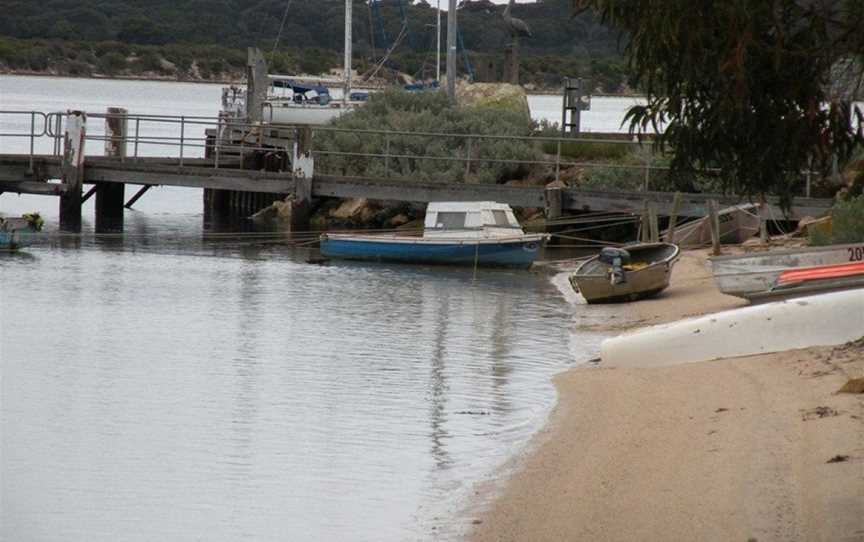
[
  {"x": 470, "y": 220},
  {"x": 300, "y": 93}
]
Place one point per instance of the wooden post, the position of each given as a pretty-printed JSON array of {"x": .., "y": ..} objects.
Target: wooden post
[
  {"x": 72, "y": 171},
  {"x": 714, "y": 223},
  {"x": 303, "y": 169},
  {"x": 511, "y": 59},
  {"x": 257, "y": 84},
  {"x": 673, "y": 218},
  {"x": 654, "y": 224},
  {"x": 110, "y": 197},
  {"x": 554, "y": 203},
  {"x": 645, "y": 228},
  {"x": 467, "y": 159},
  {"x": 763, "y": 219}
]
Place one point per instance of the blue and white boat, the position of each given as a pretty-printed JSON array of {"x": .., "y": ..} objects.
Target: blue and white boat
[
  {"x": 455, "y": 233},
  {"x": 18, "y": 232}
]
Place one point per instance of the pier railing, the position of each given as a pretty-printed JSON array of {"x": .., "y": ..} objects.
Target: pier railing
[{"x": 384, "y": 153}]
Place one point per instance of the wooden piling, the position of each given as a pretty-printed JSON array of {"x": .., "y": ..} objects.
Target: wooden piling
[
  {"x": 763, "y": 220},
  {"x": 554, "y": 203},
  {"x": 714, "y": 223},
  {"x": 644, "y": 227},
  {"x": 72, "y": 171},
  {"x": 110, "y": 197},
  {"x": 303, "y": 169},
  {"x": 653, "y": 223},
  {"x": 673, "y": 218},
  {"x": 257, "y": 84}
]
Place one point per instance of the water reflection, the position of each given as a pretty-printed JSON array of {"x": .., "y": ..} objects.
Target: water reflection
[
  {"x": 438, "y": 386},
  {"x": 246, "y": 370},
  {"x": 232, "y": 389},
  {"x": 501, "y": 354}
]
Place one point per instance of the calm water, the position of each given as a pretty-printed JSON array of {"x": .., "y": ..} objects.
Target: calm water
[{"x": 177, "y": 385}]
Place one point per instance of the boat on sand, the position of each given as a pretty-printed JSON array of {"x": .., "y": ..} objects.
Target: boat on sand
[
  {"x": 757, "y": 276},
  {"x": 626, "y": 274},
  {"x": 737, "y": 224},
  {"x": 818, "y": 320}
]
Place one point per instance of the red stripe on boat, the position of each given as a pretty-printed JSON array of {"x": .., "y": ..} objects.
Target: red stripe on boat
[{"x": 822, "y": 272}]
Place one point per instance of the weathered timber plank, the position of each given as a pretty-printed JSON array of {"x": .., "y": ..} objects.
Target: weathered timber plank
[
  {"x": 194, "y": 178},
  {"x": 691, "y": 204},
  {"x": 160, "y": 171},
  {"x": 405, "y": 190},
  {"x": 33, "y": 187},
  {"x": 14, "y": 173},
  {"x": 224, "y": 162}
]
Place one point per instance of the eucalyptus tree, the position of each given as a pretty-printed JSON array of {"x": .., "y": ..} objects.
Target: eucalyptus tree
[{"x": 743, "y": 86}]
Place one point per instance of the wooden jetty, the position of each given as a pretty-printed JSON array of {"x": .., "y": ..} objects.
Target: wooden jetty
[{"x": 248, "y": 174}]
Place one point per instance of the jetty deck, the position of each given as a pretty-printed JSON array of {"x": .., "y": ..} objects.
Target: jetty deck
[{"x": 280, "y": 160}]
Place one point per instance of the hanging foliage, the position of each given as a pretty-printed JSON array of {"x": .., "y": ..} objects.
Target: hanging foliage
[{"x": 742, "y": 86}]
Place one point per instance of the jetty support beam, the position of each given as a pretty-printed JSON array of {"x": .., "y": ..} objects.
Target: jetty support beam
[
  {"x": 138, "y": 195},
  {"x": 72, "y": 171},
  {"x": 111, "y": 196}
]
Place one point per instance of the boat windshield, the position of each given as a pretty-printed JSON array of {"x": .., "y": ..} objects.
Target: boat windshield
[
  {"x": 450, "y": 220},
  {"x": 501, "y": 218}
]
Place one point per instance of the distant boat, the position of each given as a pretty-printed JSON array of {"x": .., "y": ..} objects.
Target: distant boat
[
  {"x": 305, "y": 103},
  {"x": 18, "y": 232},
  {"x": 627, "y": 274},
  {"x": 737, "y": 224},
  {"x": 455, "y": 233},
  {"x": 788, "y": 273}
]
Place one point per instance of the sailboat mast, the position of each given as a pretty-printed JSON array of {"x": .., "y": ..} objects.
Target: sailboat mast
[
  {"x": 349, "y": 4},
  {"x": 438, "y": 47},
  {"x": 451, "y": 49}
]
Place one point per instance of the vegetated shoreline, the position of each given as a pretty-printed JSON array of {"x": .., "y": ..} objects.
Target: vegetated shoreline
[
  {"x": 239, "y": 79},
  {"x": 145, "y": 77},
  {"x": 754, "y": 448}
]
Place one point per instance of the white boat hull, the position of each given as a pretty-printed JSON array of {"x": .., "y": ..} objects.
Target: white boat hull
[
  {"x": 819, "y": 320},
  {"x": 304, "y": 114},
  {"x": 737, "y": 224}
]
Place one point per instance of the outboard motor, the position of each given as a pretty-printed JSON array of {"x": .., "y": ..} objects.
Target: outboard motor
[{"x": 617, "y": 258}]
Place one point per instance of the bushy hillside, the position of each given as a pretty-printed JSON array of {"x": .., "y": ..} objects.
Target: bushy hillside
[{"x": 561, "y": 45}]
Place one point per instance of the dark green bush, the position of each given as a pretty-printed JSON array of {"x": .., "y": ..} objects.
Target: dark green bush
[
  {"x": 847, "y": 224},
  {"x": 112, "y": 62},
  {"x": 431, "y": 112}
]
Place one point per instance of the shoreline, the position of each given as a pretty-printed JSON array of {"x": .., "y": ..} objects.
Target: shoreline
[
  {"x": 239, "y": 81},
  {"x": 98, "y": 77},
  {"x": 722, "y": 450}
]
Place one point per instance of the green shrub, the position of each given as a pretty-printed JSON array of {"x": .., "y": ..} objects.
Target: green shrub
[
  {"x": 847, "y": 224},
  {"x": 112, "y": 62},
  {"x": 396, "y": 110},
  {"x": 618, "y": 148}
]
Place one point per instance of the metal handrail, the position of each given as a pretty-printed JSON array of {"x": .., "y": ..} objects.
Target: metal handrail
[
  {"x": 471, "y": 136},
  {"x": 51, "y": 125}
]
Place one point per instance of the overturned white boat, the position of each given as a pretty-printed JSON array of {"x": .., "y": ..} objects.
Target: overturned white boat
[{"x": 819, "y": 320}]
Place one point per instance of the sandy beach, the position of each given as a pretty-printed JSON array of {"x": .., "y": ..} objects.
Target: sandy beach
[{"x": 760, "y": 448}]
